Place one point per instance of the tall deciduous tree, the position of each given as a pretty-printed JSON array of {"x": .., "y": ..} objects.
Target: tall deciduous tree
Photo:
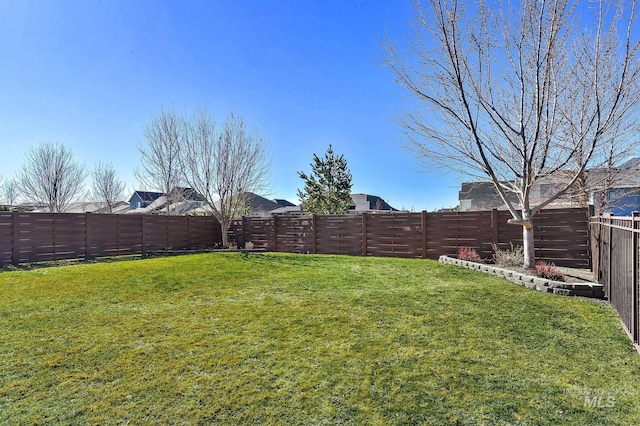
[
  {"x": 51, "y": 176},
  {"x": 521, "y": 92},
  {"x": 11, "y": 191},
  {"x": 160, "y": 162},
  {"x": 327, "y": 190},
  {"x": 223, "y": 165},
  {"x": 108, "y": 189}
]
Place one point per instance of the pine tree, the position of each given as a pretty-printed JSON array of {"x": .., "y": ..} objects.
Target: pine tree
[{"x": 327, "y": 190}]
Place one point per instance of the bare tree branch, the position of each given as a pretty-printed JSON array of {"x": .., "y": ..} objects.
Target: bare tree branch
[
  {"x": 522, "y": 93},
  {"x": 107, "y": 188},
  {"x": 51, "y": 177},
  {"x": 224, "y": 166},
  {"x": 11, "y": 191},
  {"x": 160, "y": 163}
]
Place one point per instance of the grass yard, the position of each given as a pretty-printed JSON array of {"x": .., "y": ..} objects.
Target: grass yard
[{"x": 295, "y": 339}]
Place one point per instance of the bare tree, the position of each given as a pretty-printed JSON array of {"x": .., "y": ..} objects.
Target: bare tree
[
  {"x": 519, "y": 93},
  {"x": 11, "y": 191},
  {"x": 50, "y": 176},
  {"x": 107, "y": 188},
  {"x": 160, "y": 163},
  {"x": 223, "y": 166}
]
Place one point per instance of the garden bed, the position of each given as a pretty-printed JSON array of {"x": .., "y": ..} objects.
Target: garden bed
[{"x": 575, "y": 286}]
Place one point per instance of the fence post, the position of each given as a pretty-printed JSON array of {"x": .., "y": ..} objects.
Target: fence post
[
  {"x": 275, "y": 232},
  {"x": 143, "y": 226},
  {"x": 87, "y": 224},
  {"x": 364, "y": 234},
  {"x": 599, "y": 243},
  {"x": 243, "y": 229},
  {"x": 315, "y": 233},
  {"x": 189, "y": 232},
  {"x": 15, "y": 218},
  {"x": 494, "y": 227},
  {"x": 609, "y": 266},
  {"x": 424, "y": 233},
  {"x": 634, "y": 269},
  {"x": 590, "y": 213}
]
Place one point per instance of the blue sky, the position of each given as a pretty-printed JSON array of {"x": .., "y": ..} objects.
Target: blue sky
[{"x": 304, "y": 74}]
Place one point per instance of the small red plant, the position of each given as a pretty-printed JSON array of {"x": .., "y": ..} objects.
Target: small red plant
[
  {"x": 548, "y": 271},
  {"x": 469, "y": 254}
]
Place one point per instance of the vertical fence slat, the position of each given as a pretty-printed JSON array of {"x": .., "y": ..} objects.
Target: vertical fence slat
[
  {"x": 616, "y": 241},
  {"x": 634, "y": 276},
  {"x": 494, "y": 227},
  {"x": 610, "y": 260}
]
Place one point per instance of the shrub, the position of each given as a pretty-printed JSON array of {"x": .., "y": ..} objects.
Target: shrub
[
  {"x": 548, "y": 271},
  {"x": 469, "y": 254},
  {"x": 508, "y": 257},
  {"x": 248, "y": 245}
]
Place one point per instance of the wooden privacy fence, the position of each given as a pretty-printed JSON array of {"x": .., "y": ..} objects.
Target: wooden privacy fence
[
  {"x": 615, "y": 251},
  {"x": 38, "y": 237},
  {"x": 561, "y": 235}
]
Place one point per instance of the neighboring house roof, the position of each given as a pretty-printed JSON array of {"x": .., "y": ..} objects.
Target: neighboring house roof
[
  {"x": 82, "y": 207},
  {"x": 366, "y": 202},
  {"x": 481, "y": 196},
  {"x": 259, "y": 205},
  {"x": 146, "y": 196},
  {"x": 189, "y": 194},
  {"x": 288, "y": 210},
  {"x": 283, "y": 203}
]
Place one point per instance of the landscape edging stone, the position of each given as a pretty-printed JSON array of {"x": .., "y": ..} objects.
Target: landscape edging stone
[{"x": 586, "y": 289}]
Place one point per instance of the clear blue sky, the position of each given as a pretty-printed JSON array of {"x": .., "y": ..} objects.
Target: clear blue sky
[{"x": 305, "y": 74}]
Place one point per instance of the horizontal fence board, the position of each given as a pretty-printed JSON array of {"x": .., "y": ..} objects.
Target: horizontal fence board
[
  {"x": 560, "y": 235},
  {"x": 59, "y": 236}
]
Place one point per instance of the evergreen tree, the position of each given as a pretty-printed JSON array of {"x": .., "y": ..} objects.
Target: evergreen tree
[{"x": 327, "y": 190}]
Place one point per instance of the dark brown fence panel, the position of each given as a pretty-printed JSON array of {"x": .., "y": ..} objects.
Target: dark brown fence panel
[
  {"x": 561, "y": 235},
  {"x": 447, "y": 232},
  {"x": 295, "y": 234},
  {"x": 68, "y": 243},
  {"x": 39, "y": 237},
  {"x": 6, "y": 238},
  {"x": 394, "y": 234},
  {"x": 177, "y": 233},
  {"x": 205, "y": 232},
  {"x": 129, "y": 236},
  {"x": 157, "y": 233},
  {"x": 114, "y": 235},
  {"x": 257, "y": 230},
  {"x": 48, "y": 237},
  {"x": 104, "y": 235},
  {"x": 339, "y": 234},
  {"x": 616, "y": 253}
]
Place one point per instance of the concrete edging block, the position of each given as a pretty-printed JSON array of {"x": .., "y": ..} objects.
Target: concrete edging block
[{"x": 586, "y": 289}]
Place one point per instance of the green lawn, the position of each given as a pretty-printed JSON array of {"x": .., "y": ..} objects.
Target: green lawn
[{"x": 300, "y": 339}]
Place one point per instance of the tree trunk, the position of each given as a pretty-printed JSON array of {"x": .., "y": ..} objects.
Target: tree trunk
[
  {"x": 225, "y": 238},
  {"x": 529, "y": 251}
]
